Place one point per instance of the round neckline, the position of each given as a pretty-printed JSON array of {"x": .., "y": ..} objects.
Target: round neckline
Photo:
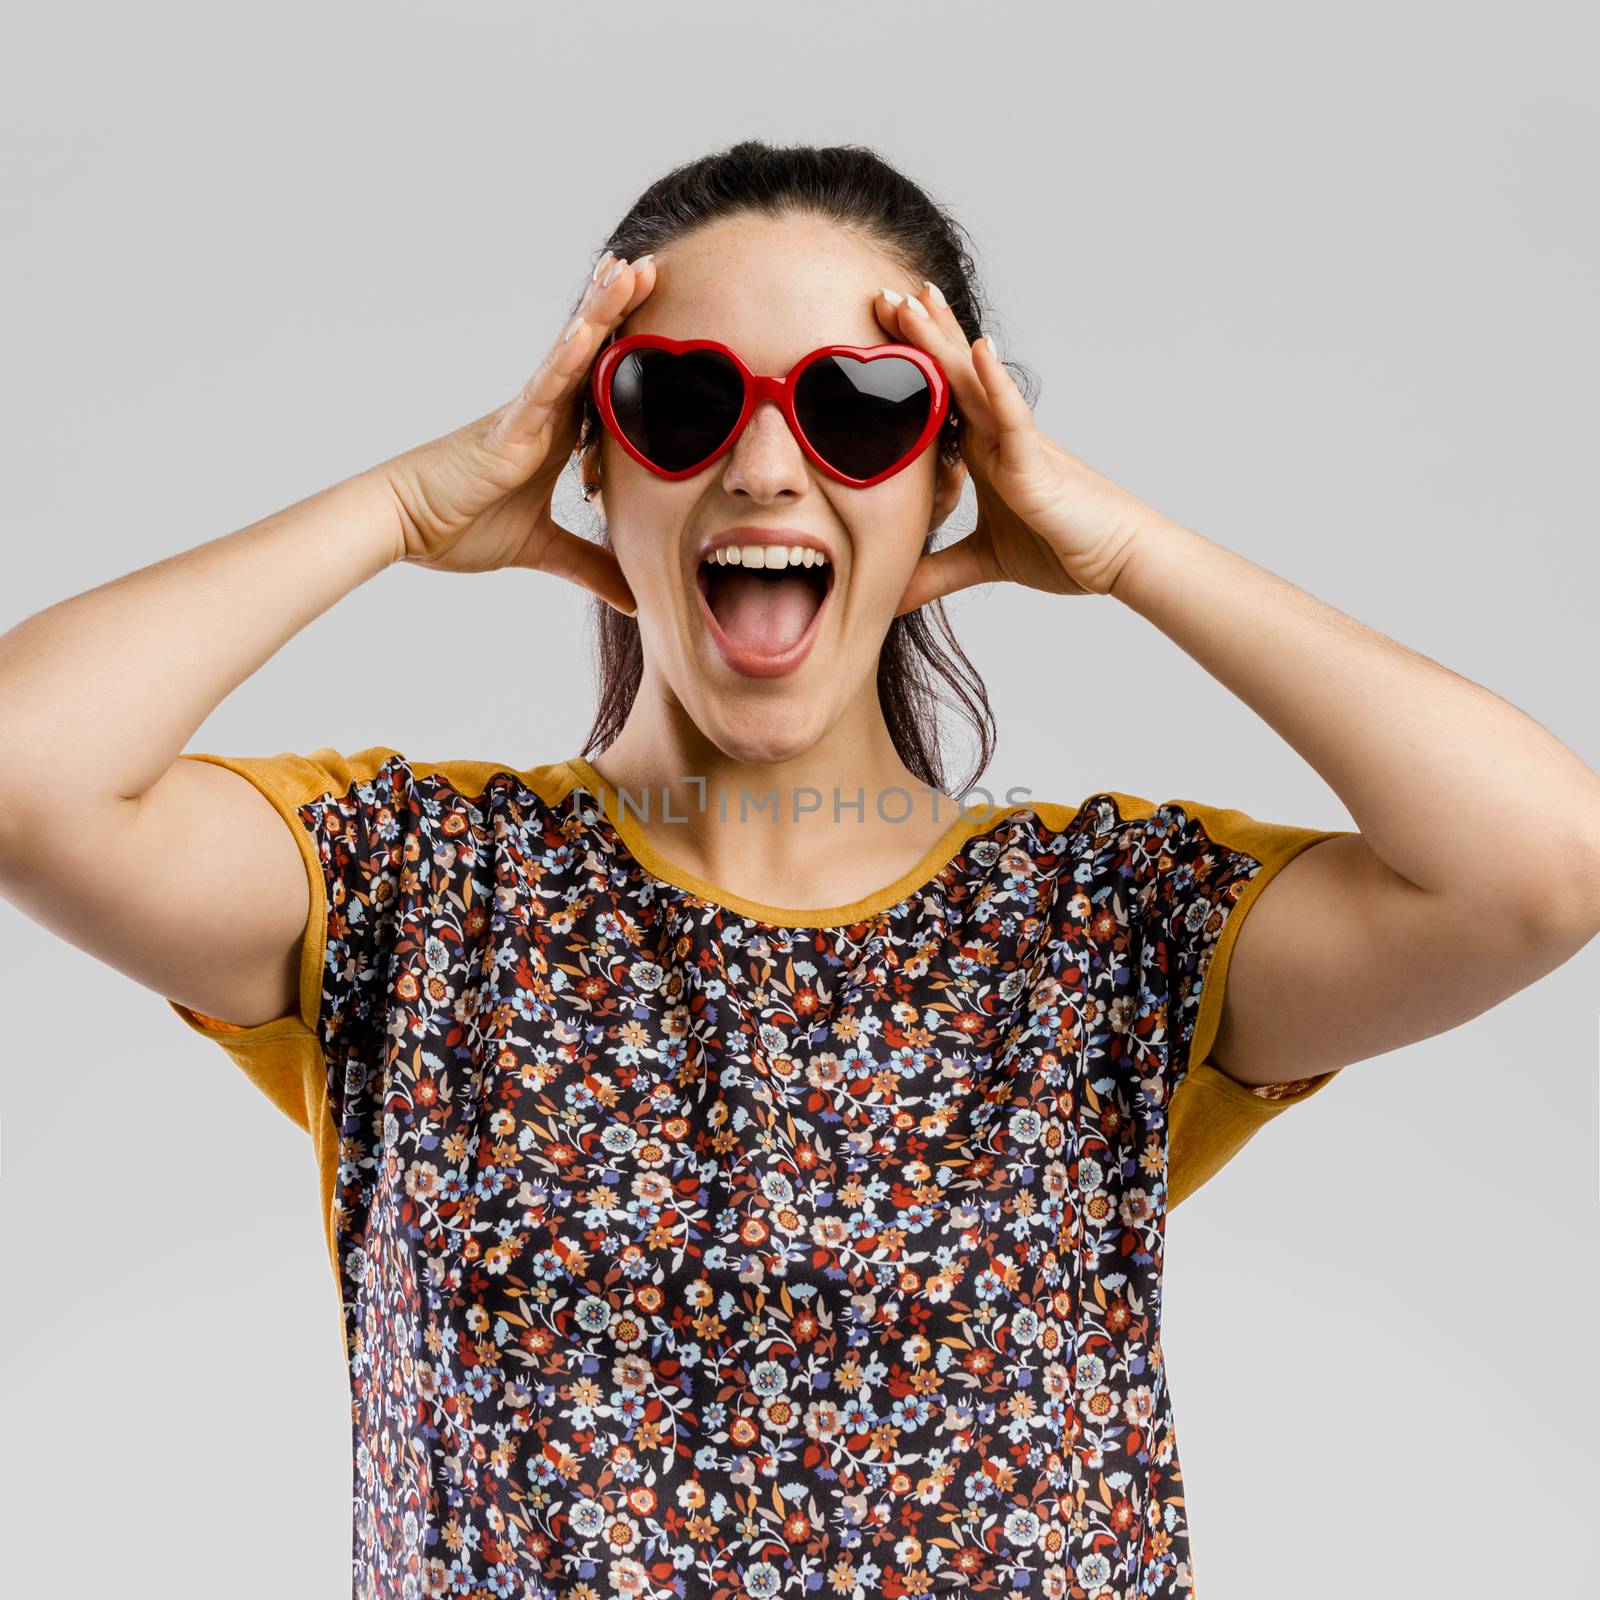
[{"x": 917, "y": 876}]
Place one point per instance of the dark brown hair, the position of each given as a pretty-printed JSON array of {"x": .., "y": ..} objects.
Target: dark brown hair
[{"x": 856, "y": 188}]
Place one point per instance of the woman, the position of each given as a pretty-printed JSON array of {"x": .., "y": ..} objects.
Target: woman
[{"x": 746, "y": 1173}]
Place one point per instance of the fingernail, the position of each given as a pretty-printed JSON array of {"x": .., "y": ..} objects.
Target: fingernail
[
  {"x": 616, "y": 267},
  {"x": 597, "y": 266},
  {"x": 916, "y": 305},
  {"x": 994, "y": 349},
  {"x": 935, "y": 293},
  {"x": 572, "y": 328},
  {"x": 893, "y": 298},
  {"x": 642, "y": 259}
]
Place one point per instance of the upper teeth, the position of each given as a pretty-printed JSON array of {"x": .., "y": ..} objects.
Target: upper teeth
[{"x": 767, "y": 555}]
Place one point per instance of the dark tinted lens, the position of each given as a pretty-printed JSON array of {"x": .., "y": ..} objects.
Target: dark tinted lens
[
  {"x": 676, "y": 409},
  {"x": 862, "y": 416}
]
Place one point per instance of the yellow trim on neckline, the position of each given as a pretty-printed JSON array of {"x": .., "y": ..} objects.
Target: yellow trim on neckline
[{"x": 917, "y": 876}]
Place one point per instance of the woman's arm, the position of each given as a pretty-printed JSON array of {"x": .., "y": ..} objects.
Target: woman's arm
[
  {"x": 103, "y": 690},
  {"x": 178, "y": 873},
  {"x": 1476, "y": 870},
  {"x": 1454, "y": 788}
]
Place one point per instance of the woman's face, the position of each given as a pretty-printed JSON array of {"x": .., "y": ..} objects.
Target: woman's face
[{"x": 771, "y": 290}]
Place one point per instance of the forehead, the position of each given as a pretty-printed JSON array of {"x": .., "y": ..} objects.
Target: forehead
[{"x": 772, "y": 288}]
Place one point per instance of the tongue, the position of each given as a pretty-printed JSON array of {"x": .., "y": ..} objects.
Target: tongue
[{"x": 764, "y": 615}]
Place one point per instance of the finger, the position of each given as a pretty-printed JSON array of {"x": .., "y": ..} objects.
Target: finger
[
  {"x": 1011, "y": 411},
  {"x": 1018, "y": 438},
  {"x": 615, "y": 290},
  {"x": 938, "y": 308},
  {"x": 641, "y": 272},
  {"x": 937, "y": 331},
  {"x": 564, "y": 554},
  {"x": 536, "y": 413},
  {"x": 962, "y": 565}
]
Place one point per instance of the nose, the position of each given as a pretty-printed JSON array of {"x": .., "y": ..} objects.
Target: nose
[{"x": 766, "y": 459}]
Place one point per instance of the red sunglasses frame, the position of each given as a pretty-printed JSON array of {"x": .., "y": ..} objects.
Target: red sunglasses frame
[{"x": 778, "y": 390}]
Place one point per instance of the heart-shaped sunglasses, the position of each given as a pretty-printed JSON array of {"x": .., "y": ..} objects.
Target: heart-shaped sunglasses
[{"x": 860, "y": 412}]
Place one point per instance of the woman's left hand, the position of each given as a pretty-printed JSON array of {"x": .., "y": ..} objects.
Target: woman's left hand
[{"x": 1045, "y": 518}]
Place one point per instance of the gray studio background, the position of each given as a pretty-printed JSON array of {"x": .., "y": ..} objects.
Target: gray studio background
[{"x": 1319, "y": 283}]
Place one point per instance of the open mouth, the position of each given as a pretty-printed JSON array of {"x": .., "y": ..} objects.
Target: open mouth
[{"x": 765, "y": 614}]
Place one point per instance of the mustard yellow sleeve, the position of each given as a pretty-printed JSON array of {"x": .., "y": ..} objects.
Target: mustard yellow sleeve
[
  {"x": 338, "y": 809},
  {"x": 1213, "y": 1116},
  {"x": 1198, "y": 871}
]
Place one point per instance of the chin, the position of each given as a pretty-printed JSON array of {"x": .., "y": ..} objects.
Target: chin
[{"x": 763, "y": 731}]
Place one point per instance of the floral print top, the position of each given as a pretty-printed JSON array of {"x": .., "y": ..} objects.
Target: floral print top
[{"x": 693, "y": 1249}]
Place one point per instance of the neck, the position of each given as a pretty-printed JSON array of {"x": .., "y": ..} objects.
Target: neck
[{"x": 816, "y": 826}]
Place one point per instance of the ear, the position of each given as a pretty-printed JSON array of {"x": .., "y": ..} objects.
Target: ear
[
  {"x": 947, "y": 492},
  {"x": 589, "y": 477}
]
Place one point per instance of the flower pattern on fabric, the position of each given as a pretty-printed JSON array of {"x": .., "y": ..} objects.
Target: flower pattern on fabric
[{"x": 689, "y": 1257}]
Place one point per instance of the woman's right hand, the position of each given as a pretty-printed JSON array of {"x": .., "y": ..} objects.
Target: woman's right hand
[{"x": 478, "y": 499}]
